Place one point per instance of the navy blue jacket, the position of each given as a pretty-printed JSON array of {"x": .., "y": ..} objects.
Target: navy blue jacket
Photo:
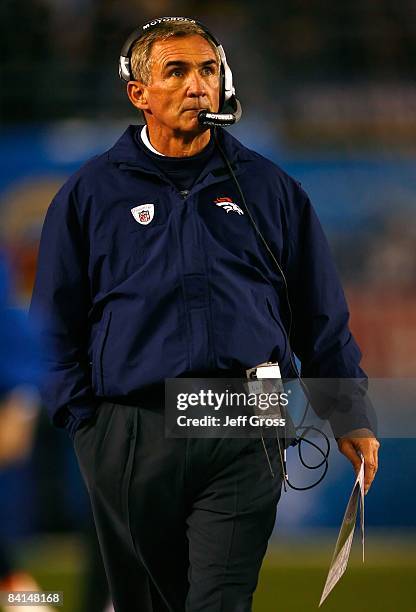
[{"x": 126, "y": 305}]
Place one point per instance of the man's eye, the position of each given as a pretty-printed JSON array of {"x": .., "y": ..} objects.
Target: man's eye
[
  {"x": 176, "y": 73},
  {"x": 208, "y": 70}
]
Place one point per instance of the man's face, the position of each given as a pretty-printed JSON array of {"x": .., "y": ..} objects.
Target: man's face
[{"x": 184, "y": 80}]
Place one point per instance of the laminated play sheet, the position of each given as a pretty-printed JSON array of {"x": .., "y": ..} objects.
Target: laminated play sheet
[{"x": 342, "y": 550}]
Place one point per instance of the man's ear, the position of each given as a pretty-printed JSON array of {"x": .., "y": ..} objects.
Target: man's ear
[{"x": 136, "y": 92}]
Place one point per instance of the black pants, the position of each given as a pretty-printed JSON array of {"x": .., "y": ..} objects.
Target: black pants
[{"x": 183, "y": 524}]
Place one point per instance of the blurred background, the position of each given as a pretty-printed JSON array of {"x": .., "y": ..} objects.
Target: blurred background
[{"x": 329, "y": 93}]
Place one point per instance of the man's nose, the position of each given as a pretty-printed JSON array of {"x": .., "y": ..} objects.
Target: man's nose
[{"x": 196, "y": 85}]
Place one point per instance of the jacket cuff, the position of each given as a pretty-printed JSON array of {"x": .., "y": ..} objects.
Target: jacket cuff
[
  {"x": 76, "y": 415},
  {"x": 343, "y": 423}
]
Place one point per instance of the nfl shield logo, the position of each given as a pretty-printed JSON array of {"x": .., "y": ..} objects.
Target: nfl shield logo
[{"x": 143, "y": 213}]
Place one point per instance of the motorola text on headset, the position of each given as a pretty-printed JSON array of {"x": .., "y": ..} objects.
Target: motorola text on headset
[{"x": 230, "y": 112}]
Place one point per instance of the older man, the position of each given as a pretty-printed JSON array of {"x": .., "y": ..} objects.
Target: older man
[{"x": 150, "y": 268}]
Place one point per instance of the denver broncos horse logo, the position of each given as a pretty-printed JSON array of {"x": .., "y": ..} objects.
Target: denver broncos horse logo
[{"x": 228, "y": 205}]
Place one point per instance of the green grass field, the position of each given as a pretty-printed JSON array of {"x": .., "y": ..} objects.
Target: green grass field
[
  {"x": 293, "y": 576},
  {"x": 291, "y": 579}
]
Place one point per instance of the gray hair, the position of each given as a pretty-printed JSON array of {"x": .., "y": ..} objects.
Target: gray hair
[{"x": 140, "y": 56}]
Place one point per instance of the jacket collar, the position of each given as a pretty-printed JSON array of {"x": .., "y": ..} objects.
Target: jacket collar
[{"x": 126, "y": 152}]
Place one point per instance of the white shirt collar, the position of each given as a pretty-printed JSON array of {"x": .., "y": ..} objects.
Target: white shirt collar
[{"x": 146, "y": 141}]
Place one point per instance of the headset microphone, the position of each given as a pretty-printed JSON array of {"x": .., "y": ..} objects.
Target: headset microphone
[{"x": 221, "y": 119}]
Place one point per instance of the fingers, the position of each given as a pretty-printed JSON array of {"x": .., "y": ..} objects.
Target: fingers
[
  {"x": 375, "y": 455},
  {"x": 370, "y": 469},
  {"x": 347, "y": 448},
  {"x": 368, "y": 447}
]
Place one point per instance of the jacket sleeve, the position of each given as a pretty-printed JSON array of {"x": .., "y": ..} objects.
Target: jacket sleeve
[
  {"x": 60, "y": 302},
  {"x": 320, "y": 334}
]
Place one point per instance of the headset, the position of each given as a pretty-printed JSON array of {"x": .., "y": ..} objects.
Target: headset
[{"x": 230, "y": 110}]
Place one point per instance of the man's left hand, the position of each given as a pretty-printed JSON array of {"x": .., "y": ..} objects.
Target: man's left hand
[{"x": 361, "y": 441}]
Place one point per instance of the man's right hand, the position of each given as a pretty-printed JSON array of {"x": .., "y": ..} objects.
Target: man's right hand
[{"x": 361, "y": 441}]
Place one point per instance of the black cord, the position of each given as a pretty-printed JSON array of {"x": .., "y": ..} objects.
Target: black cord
[
  {"x": 324, "y": 453},
  {"x": 301, "y": 426},
  {"x": 264, "y": 241}
]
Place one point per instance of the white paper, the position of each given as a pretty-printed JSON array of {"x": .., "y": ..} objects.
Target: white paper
[{"x": 342, "y": 550}]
